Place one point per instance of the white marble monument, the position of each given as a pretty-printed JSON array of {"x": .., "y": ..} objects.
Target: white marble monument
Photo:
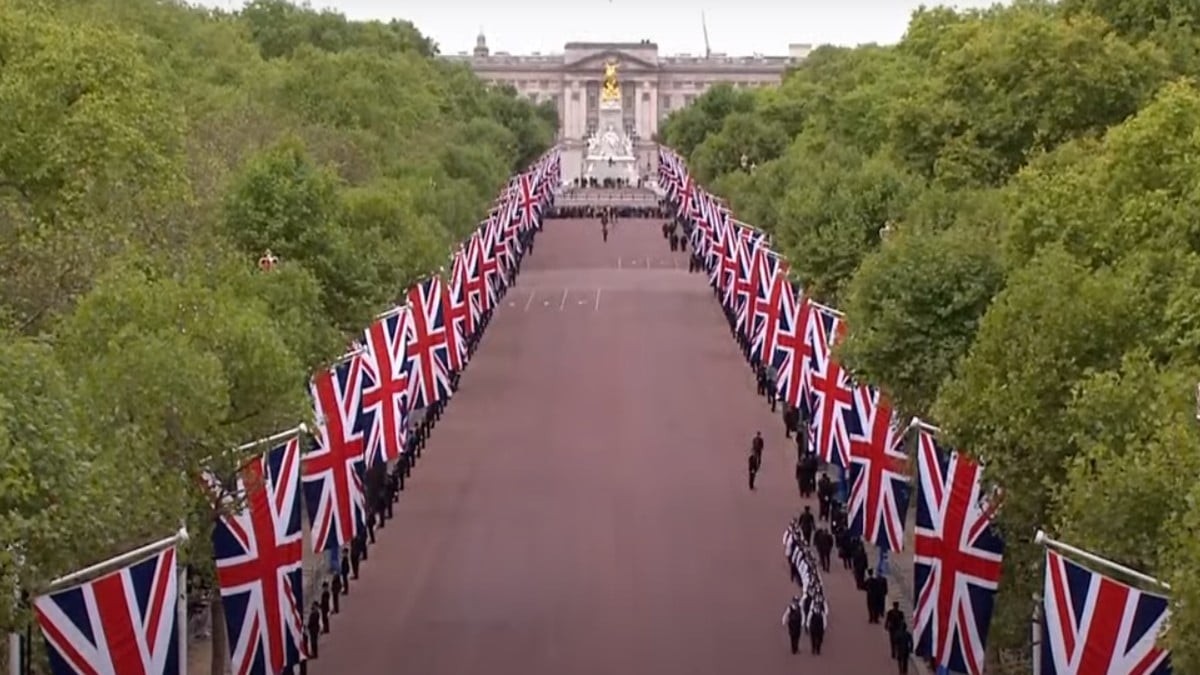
[{"x": 610, "y": 153}]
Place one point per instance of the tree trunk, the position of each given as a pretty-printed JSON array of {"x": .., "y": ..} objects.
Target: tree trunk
[{"x": 220, "y": 649}]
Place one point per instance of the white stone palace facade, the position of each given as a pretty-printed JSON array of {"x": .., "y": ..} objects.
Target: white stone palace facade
[{"x": 652, "y": 85}]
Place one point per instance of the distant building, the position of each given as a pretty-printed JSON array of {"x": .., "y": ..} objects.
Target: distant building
[{"x": 651, "y": 85}]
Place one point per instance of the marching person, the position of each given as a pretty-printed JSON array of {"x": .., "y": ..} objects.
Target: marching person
[
  {"x": 893, "y": 623},
  {"x": 793, "y": 619},
  {"x": 824, "y": 496},
  {"x": 816, "y": 623},
  {"x": 756, "y": 446},
  {"x": 807, "y": 525},
  {"x": 902, "y": 647},
  {"x": 754, "y": 463},
  {"x": 824, "y": 544}
]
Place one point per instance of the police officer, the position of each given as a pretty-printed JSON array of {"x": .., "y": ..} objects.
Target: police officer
[{"x": 793, "y": 619}]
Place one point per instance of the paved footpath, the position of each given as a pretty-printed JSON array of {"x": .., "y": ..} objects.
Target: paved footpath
[{"x": 582, "y": 509}]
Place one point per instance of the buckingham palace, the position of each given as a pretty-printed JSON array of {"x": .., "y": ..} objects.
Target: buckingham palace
[{"x": 651, "y": 85}]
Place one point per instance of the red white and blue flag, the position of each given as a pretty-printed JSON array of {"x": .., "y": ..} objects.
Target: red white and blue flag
[
  {"x": 457, "y": 311},
  {"x": 385, "y": 388},
  {"x": 332, "y": 472},
  {"x": 957, "y": 556},
  {"x": 879, "y": 483},
  {"x": 1095, "y": 625},
  {"x": 793, "y": 351},
  {"x": 258, "y": 552},
  {"x": 122, "y": 623},
  {"x": 830, "y": 389},
  {"x": 427, "y": 345}
]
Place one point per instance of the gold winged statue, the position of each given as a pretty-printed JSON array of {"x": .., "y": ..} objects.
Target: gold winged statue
[{"x": 612, "y": 91}]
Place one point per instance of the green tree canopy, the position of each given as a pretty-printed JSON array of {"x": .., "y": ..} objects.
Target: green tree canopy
[{"x": 152, "y": 152}]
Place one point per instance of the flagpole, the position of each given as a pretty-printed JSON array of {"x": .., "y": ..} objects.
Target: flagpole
[
  {"x": 117, "y": 561},
  {"x": 1041, "y": 538},
  {"x": 1036, "y": 638},
  {"x": 921, "y": 424},
  {"x": 181, "y": 615},
  {"x": 294, "y": 431}
]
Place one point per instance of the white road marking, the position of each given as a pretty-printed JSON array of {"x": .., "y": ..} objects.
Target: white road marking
[
  {"x": 597, "y": 307},
  {"x": 562, "y": 302},
  {"x": 530, "y": 300}
]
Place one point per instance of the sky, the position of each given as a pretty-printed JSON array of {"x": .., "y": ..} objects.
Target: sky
[{"x": 735, "y": 27}]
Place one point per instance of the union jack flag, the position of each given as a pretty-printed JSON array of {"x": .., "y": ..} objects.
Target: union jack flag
[
  {"x": 120, "y": 623},
  {"x": 878, "y": 473},
  {"x": 766, "y": 304},
  {"x": 258, "y": 550},
  {"x": 530, "y": 208},
  {"x": 385, "y": 388},
  {"x": 489, "y": 265},
  {"x": 475, "y": 281},
  {"x": 332, "y": 472},
  {"x": 957, "y": 557},
  {"x": 455, "y": 307},
  {"x": 427, "y": 345},
  {"x": 1092, "y": 624},
  {"x": 747, "y": 285},
  {"x": 830, "y": 388},
  {"x": 793, "y": 350}
]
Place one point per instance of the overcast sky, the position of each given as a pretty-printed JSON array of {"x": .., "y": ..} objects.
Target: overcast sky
[{"x": 735, "y": 27}]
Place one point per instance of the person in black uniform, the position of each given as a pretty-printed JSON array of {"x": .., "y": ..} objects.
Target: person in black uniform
[
  {"x": 824, "y": 496},
  {"x": 335, "y": 593},
  {"x": 325, "y": 606},
  {"x": 753, "y": 465},
  {"x": 756, "y": 446},
  {"x": 816, "y": 624},
  {"x": 793, "y": 619},
  {"x": 346, "y": 570},
  {"x": 314, "y": 629},
  {"x": 823, "y": 541},
  {"x": 356, "y": 548},
  {"x": 877, "y": 590},
  {"x": 807, "y": 525},
  {"x": 893, "y": 623},
  {"x": 902, "y": 647}
]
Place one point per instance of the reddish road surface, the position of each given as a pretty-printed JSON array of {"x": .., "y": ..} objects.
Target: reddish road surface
[{"x": 582, "y": 509}]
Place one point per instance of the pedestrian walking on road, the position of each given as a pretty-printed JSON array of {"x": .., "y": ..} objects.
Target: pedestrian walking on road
[
  {"x": 807, "y": 524},
  {"x": 816, "y": 623},
  {"x": 824, "y": 544},
  {"x": 754, "y": 463},
  {"x": 756, "y": 446},
  {"x": 793, "y": 619},
  {"x": 902, "y": 647}
]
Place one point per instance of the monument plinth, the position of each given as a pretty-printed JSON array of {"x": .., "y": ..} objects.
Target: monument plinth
[{"x": 610, "y": 152}]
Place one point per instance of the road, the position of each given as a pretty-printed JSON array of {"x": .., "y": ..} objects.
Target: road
[{"x": 582, "y": 508}]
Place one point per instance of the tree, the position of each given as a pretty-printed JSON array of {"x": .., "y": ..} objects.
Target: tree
[
  {"x": 1006, "y": 402},
  {"x": 913, "y": 308},
  {"x": 91, "y": 158}
]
